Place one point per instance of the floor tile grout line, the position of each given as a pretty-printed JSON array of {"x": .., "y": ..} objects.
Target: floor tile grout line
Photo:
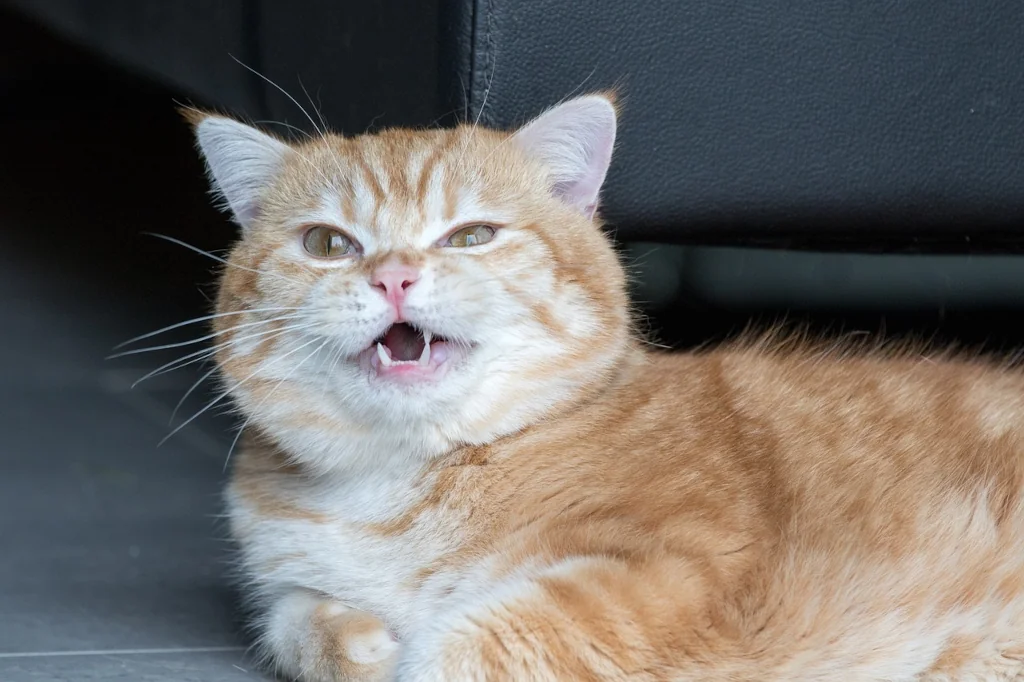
[{"x": 123, "y": 652}]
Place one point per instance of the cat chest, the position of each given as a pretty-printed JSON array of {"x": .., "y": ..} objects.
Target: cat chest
[{"x": 370, "y": 546}]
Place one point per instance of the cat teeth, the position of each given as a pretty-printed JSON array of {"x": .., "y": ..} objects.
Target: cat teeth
[
  {"x": 385, "y": 360},
  {"x": 425, "y": 355}
]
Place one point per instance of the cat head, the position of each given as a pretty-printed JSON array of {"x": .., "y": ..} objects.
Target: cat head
[{"x": 395, "y": 295}]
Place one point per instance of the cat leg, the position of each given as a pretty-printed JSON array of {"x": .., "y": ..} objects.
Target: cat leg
[
  {"x": 312, "y": 638},
  {"x": 581, "y": 619}
]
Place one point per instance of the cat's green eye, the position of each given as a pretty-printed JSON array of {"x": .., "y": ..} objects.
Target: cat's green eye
[
  {"x": 326, "y": 242},
  {"x": 473, "y": 235}
]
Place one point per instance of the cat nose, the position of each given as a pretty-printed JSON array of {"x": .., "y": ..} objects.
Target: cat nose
[{"x": 393, "y": 280}]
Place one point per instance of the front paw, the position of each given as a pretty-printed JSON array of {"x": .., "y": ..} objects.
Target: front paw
[
  {"x": 348, "y": 645},
  {"x": 314, "y": 639}
]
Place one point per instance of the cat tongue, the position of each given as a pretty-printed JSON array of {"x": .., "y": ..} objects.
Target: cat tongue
[{"x": 404, "y": 342}]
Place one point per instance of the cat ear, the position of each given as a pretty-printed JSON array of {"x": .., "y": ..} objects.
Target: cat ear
[
  {"x": 574, "y": 140},
  {"x": 240, "y": 160}
]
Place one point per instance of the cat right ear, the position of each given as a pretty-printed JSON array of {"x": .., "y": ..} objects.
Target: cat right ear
[{"x": 240, "y": 160}]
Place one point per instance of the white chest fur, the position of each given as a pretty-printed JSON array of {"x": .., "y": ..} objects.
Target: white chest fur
[{"x": 362, "y": 540}]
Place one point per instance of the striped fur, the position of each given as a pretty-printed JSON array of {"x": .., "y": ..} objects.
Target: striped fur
[{"x": 562, "y": 504}]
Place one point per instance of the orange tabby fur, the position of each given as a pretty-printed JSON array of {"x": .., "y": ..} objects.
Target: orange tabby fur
[{"x": 773, "y": 510}]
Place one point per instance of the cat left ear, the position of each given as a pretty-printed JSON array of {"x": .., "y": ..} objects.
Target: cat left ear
[
  {"x": 241, "y": 162},
  {"x": 574, "y": 140}
]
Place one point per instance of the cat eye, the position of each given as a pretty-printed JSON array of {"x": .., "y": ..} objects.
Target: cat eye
[
  {"x": 327, "y": 242},
  {"x": 472, "y": 235}
]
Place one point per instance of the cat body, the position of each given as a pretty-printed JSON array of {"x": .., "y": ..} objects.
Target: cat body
[
  {"x": 774, "y": 520},
  {"x": 459, "y": 462}
]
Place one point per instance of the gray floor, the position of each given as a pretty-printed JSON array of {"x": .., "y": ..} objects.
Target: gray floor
[
  {"x": 113, "y": 558},
  {"x": 112, "y": 564}
]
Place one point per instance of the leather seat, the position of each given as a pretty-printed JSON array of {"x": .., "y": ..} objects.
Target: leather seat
[{"x": 824, "y": 123}]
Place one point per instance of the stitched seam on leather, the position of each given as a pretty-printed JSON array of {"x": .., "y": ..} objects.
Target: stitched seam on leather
[
  {"x": 486, "y": 63},
  {"x": 469, "y": 92},
  {"x": 492, "y": 59}
]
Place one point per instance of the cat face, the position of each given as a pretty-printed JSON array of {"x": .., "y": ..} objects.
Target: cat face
[{"x": 397, "y": 294}]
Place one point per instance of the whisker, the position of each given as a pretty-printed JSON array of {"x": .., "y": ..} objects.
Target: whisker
[
  {"x": 487, "y": 90},
  {"x": 289, "y": 126},
  {"x": 316, "y": 110},
  {"x": 180, "y": 363},
  {"x": 193, "y": 387},
  {"x": 281, "y": 90},
  {"x": 190, "y": 342},
  {"x": 328, "y": 182},
  {"x": 321, "y": 131},
  {"x": 498, "y": 146},
  {"x": 479, "y": 115},
  {"x": 212, "y": 350},
  {"x": 434, "y": 124},
  {"x": 219, "y": 259},
  {"x": 267, "y": 397},
  {"x": 512, "y": 135},
  {"x": 465, "y": 99},
  {"x": 323, "y": 135},
  {"x": 204, "y": 318},
  {"x": 333, "y": 365},
  {"x": 228, "y": 392},
  {"x": 319, "y": 171},
  {"x": 369, "y": 126},
  {"x": 579, "y": 87}
]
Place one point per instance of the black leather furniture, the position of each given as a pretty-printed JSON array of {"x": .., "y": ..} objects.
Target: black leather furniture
[{"x": 830, "y": 123}]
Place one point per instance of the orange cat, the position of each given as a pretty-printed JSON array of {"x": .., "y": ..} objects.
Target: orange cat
[{"x": 460, "y": 463}]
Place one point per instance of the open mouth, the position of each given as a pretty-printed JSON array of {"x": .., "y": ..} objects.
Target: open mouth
[{"x": 405, "y": 351}]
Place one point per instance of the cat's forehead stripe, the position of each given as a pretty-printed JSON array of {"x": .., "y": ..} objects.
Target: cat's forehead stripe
[
  {"x": 370, "y": 179},
  {"x": 428, "y": 180},
  {"x": 393, "y": 195}
]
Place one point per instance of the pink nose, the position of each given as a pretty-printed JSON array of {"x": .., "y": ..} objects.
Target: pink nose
[{"x": 394, "y": 280}]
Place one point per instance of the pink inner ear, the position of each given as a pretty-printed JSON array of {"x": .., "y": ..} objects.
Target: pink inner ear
[
  {"x": 584, "y": 192},
  {"x": 574, "y": 140}
]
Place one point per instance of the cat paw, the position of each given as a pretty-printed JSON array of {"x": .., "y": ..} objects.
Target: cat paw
[
  {"x": 349, "y": 645},
  {"x": 313, "y": 639}
]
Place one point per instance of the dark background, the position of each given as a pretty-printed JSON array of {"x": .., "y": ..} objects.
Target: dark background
[
  {"x": 94, "y": 156},
  {"x": 112, "y": 559}
]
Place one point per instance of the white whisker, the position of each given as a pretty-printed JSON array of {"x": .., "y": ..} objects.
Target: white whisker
[
  {"x": 219, "y": 259},
  {"x": 321, "y": 129},
  {"x": 289, "y": 126},
  {"x": 179, "y": 363},
  {"x": 498, "y": 146},
  {"x": 316, "y": 110},
  {"x": 193, "y": 387},
  {"x": 267, "y": 397},
  {"x": 228, "y": 392},
  {"x": 204, "y": 318},
  {"x": 332, "y": 365},
  {"x": 190, "y": 342},
  {"x": 511, "y": 136},
  {"x": 204, "y": 353},
  {"x": 487, "y": 90},
  {"x": 337, "y": 164},
  {"x": 479, "y": 115},
  {"x": 282, "y": 91},
  {"x": 579, "y": 87}
]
